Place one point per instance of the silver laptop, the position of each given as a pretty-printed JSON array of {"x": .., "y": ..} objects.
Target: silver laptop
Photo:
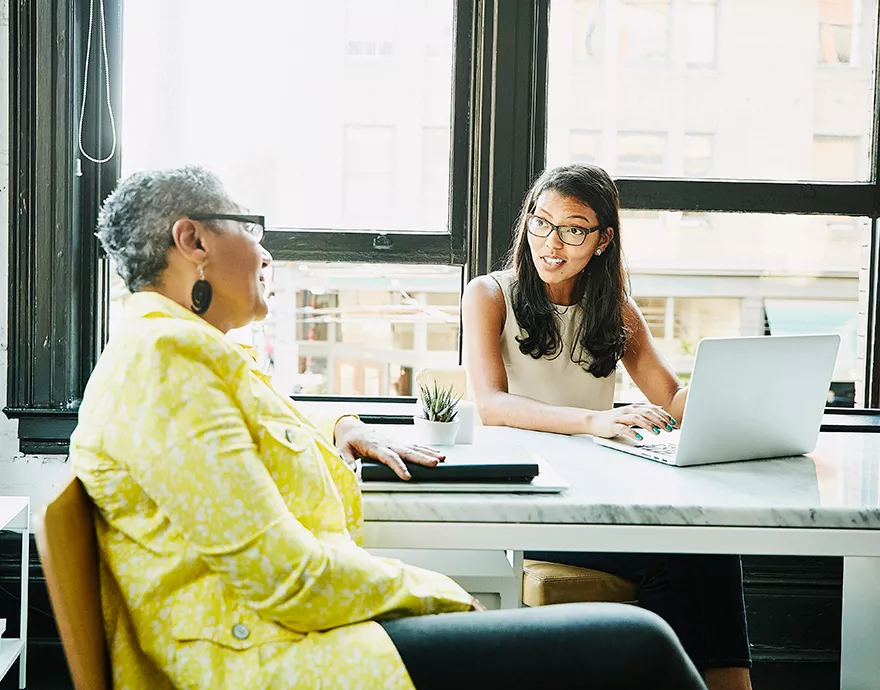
[{"x": 749, "y": 398}]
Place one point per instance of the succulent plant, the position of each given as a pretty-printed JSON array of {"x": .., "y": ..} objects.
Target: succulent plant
[{"x": 439, "y": 403}]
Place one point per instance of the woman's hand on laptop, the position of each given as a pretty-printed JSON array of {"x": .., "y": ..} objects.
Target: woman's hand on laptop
[
  {"x": 354, "y": 439},
  {"x": 631, "y": 421}
]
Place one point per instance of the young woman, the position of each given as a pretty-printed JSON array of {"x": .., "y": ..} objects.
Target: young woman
[{"x": 542, "y": 342}]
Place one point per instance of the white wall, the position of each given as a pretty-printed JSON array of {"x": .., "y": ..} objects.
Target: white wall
[{"x": 34, "y": 476}]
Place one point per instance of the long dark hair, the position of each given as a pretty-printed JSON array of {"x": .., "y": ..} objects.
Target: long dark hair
[{"x": 601, "y": 288}]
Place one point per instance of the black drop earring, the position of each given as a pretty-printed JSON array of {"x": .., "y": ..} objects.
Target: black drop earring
[{"x": 201, "y": 294}]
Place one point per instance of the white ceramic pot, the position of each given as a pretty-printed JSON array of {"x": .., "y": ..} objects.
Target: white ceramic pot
[
  {"x": 435, "y": 433},
  {"x": 467, "y": 416}
]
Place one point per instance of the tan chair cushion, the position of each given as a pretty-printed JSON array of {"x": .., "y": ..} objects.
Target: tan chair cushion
[
  {"x": 553, "y": 583},
  {"x": 68, "y": 549}
]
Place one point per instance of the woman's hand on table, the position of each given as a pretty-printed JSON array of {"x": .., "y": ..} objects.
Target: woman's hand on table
[
  {"x": 631, "y": 421},
  {"x": 477, "y": 605},
  {"x": 355, "y": 440}
]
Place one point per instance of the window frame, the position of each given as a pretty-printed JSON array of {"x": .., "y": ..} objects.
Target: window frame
[
  {"x": 57, "y": 321},
  {"x": 57, "y": 278},
  {"x": 858, "y": 199},
  {"x": 447, "y": 247}
]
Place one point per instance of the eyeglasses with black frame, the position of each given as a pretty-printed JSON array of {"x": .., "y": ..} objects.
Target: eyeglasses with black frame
[
  {"x": 253, "y": 225},
  {"x": 572, "y": 235}
]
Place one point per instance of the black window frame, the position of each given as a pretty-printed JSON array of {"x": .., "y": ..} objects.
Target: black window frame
[
  {"x": 58, "y": 279},
  {"x": 404, "y": 246}
]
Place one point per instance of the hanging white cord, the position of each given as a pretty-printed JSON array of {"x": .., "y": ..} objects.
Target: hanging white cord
[{"x": 82, "y": 112}]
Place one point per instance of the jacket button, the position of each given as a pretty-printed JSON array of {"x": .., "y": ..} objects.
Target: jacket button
[
  {"x": 240, "y": 631},
  {"x": 289, "y": 434}
]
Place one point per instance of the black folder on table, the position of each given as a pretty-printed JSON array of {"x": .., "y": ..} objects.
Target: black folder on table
[{"x": 464, "y": 463}]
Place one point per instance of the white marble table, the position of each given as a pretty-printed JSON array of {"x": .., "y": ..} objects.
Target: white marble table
[{"x": 825, "y": 504}]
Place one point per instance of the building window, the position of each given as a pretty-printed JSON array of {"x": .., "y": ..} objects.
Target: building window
[
  {"x": 369, "y": 28},
  {"x": 644, "y": 30},
  {"x": 836, "y": 24},
  {"x": 641, "y": 154},
  {"x": 837, "y": 157}
]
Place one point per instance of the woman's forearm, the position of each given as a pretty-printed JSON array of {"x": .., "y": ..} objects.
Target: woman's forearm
[{"x": 506, "y": 409}]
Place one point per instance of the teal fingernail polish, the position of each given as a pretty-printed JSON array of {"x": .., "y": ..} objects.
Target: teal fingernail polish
[
  {"x": 672, "y": 420},
  {"x": 657, "y": 429},
  {"x": 668, "y": 428},
  {"x": 639, "y": 436}
]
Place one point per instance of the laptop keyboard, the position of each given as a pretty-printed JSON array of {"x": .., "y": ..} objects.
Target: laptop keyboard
[{"x": 662, "y": 448}]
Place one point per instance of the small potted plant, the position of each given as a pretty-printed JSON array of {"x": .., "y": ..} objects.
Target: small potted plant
[{"x": 437, "y": 420}]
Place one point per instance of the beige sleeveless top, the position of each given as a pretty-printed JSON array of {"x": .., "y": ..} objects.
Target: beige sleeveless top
[{"x": 556, "y": 381}]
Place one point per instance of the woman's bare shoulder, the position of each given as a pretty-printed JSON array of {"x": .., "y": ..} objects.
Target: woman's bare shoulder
[
  {"x": 485, "y": 290},
  {"x": 483, "y": 297}
]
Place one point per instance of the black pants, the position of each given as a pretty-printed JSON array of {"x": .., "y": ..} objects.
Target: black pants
[
  {"x": 700, "y": 596},
  {"x": 602, "y": 646}
]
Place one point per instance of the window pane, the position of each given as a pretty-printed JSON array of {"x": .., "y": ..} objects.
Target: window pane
[
  {"x": 744, "y": 77},
  {"x": 435, "y": 178},
  {"x": 313, "y": 113},
  {"x": 357, "y": 329},
  {"x": 701, "y": 275},
  {"x": 348, "y": 329}
]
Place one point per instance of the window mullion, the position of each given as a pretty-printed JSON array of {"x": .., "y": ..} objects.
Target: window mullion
[
  {"x": 875, "y": 134},
  {"x": 53, "y": 263},
  {"x": 741, "y": 196},
  {"x": 509, "y": 121},
  {"x": 43, "y": 276},
  {"x": 361, "y": 247},
  {"x": 872, "y": 330},
  {"x": 461, "y": 158}
]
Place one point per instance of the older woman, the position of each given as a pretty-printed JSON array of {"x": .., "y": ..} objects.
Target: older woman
[{"x": 228, "y": 523}]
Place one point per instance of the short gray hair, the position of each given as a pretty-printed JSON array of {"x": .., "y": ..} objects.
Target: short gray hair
[{"x": 134, "y": 224}]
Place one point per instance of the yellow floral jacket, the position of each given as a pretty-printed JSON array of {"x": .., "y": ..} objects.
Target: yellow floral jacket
[{"x": 227, "y": 524}]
